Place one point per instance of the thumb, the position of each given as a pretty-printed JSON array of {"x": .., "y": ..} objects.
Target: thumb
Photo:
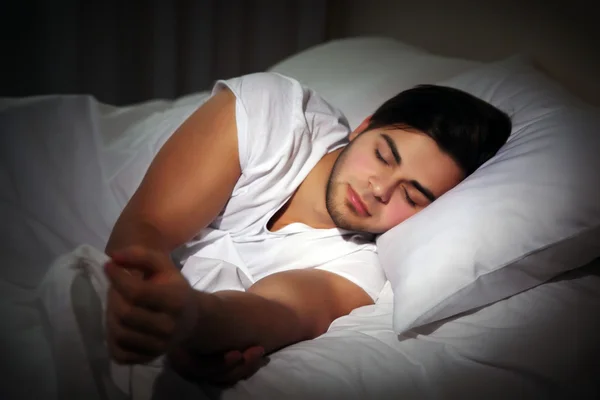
[
  {"x": 145, "y": 260},
  {"x": 121, "y": 280}
]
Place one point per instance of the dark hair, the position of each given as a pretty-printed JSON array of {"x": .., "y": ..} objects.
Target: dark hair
[{"x": 465, "y": 127}]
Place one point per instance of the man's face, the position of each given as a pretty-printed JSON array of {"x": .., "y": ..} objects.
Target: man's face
[{"x": 386, "y": 175}]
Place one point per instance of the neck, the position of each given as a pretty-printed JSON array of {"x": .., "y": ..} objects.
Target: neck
[{"x": 309, "y": 203}]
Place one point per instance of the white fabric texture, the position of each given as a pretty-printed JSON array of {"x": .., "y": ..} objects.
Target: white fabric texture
[
  {"x": 357, "y": 75},
  {"x": 73, "y": 297},
  {"x": 71, "y": 337},
  {"x": 68, "y": 164},
  {"x": 529, "y": 346},
  {"x": 284, "y": 129},
  {"x": 527, "y": 215}
]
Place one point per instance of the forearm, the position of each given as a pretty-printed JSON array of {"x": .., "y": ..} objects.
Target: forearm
[
  {"x": 278, "y": 310},
  {"x": 237, "y": 320}
]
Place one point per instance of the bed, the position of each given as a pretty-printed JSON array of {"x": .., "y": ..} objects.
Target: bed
[{"x": 69, "y": 164}]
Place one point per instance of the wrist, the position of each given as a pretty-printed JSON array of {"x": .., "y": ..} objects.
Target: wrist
[{"x": 198, "y": 320}]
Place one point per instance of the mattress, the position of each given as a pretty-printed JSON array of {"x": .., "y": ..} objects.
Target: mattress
[{"x": 68, "y": 164}]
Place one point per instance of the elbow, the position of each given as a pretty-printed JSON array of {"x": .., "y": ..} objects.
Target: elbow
[
  {"x": 305, "y": 326},
  {"x": 310, "y": 327},
  {"x": 315, "y": 324},
  {"x": 317, "y": 327}
]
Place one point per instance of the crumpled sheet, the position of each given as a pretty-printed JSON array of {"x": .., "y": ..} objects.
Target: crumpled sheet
[{"x": 73, "y": 295}]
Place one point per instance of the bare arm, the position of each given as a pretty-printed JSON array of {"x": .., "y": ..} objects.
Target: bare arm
[
  {"x": 188, "y": 182},
  {"x": 277, "y": 311},
  {"x": 148, "y": 317}
]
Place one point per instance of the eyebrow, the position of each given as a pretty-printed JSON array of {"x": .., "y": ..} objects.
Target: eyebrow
[
  {"x": 426, "y": 192},
  {"x": 393, "y": 147}
]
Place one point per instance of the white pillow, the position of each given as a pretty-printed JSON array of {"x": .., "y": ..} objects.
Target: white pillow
[
  {"x": 358, "y": 74},
  {"x": 527, "y": 215}
]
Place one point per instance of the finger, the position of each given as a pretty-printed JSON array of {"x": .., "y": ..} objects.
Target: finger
[
  {"x": 129, "y": 271},
  {"x": 119, "y": 354},
  {"x": 252, "y": 361},
  {"x": 133, "y": 341},
  {"x": 253, "y": 354},
  {"x": 236, "y": 359},
  {"x": 198, "y": 368},
  {"x": 136, "y": 291},
  {"x": 124, "y": 357},
  {"x": 122, "y": 280},
  {"x": 214, "y": 365},
  {"x": 221, "y": 370},
  {"x": 140, "y": 319},
  {"x": 233, "y": 357},
  {"x": 242, "y": 371},
  {"x": 134, "y": 272},
  {"x": 120, "y": 269}
]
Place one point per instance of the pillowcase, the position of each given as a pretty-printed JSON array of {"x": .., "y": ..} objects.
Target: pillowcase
[
  {"x": 525, "y": 216},
  {"x": 358, "y": 74}
]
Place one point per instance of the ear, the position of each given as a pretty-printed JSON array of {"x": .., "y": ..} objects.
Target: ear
[{"x": 363, "y": 125}]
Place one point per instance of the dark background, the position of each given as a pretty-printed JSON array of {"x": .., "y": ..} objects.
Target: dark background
[{"x": 130, "y": 51}]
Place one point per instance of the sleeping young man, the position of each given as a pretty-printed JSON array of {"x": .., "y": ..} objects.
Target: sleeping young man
[{"x": 272, "y": 164}]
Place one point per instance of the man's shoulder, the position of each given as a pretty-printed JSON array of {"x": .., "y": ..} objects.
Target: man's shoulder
[{"x": 265, "y": 83}]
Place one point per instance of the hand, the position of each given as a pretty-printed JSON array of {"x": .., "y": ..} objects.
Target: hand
[
  {"x": 223, "y": 369},
  {"x": 151, "y": 306}
]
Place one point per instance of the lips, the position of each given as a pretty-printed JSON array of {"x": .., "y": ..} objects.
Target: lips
[{"x": 357, "y": 204}]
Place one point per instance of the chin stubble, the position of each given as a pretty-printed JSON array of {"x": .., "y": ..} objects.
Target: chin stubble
[{"x": 334, "y": 208}]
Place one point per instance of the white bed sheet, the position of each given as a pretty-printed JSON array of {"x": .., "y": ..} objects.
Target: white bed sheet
[
  {"x": 538, "y": 344},
  {"x": 541, "y": 342}
]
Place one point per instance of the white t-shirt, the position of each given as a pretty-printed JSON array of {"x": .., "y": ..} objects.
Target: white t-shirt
[{"x": 284, "y": 129}]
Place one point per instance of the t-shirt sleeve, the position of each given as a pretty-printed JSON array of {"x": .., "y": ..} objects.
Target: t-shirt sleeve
[
  {"x": 361, "y": 268},
  {"x": 277, "y": 112}
]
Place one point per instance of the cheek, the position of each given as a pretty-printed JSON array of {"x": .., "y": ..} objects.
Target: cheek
[
  {"x": 395, "y": 213},
  {"x": 364, "y": 160},
  {"x": 359, "y": 163}
]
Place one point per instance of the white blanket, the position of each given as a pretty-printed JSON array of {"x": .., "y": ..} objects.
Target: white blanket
[
  {"x": 539, "y": 343},
  {"x": 73, "y": 297}
]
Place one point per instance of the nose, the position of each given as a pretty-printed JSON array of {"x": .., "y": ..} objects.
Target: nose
[{"x": 382, "y": 188}]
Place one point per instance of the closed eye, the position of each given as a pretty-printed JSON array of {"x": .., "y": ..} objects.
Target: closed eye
[
  {"x": 408, "y": 198},
  {"x": 380, "y": 157}
]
